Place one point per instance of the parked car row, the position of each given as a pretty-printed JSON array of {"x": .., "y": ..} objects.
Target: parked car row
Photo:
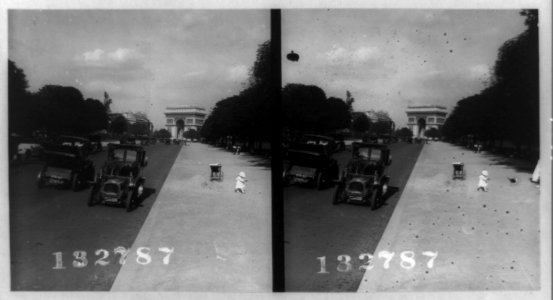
[
  {"x": 119, "y": 182},
  {"x": 362, "y": 180}
]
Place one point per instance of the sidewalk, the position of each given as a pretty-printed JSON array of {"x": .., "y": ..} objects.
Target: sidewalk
[
  {"x": 485, "y": 241},
  {"x": 221, "y": 239}
]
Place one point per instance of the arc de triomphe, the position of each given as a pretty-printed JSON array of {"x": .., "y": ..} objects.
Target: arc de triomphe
[
  {"x": 424, "y": 117},
  {"x": 180, "y": 119}
]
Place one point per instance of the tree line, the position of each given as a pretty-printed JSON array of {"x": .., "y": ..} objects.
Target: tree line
[
  {"x": 60, "y": 110},
  {"x": 508, "y": 108},
  {"x": 53, "y": 108}
]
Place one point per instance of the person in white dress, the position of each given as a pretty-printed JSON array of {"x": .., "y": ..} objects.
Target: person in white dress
[
  {"x": 240, "y": 183},
  {"x": 483, "y": 181}
]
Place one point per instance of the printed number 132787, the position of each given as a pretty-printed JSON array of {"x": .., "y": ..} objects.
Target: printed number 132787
[{"x": 407, "y": 261}]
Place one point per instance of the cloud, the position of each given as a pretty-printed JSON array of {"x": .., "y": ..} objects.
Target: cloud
[
  {"x": 341, "y": 55},
  {"x": 94, "y": 55},
  {"x": 100, "y": 57}
]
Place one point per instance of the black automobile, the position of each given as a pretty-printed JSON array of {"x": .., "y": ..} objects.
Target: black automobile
[
  {"x": 121, "y": 181},
  {"x": 310, "y": 163},
  {"x": 329, "y": 144},
  {"x": 363, "y": 180},
  {"x": 65, "y": 166},
  {"x": 76, "y": 141}
]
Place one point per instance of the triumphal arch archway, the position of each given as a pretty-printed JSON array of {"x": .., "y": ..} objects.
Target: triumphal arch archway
[
  {"x": 179, "y": 119},
  {"x": 423, "y": 117}
]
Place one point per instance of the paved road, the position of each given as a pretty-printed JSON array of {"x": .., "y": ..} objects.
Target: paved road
[
  {"x": 46, "y": 221},
  {"x": 314, "y": 228}
]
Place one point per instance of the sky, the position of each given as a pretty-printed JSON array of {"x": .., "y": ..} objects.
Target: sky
[
  {"x": 391, "y": 58},
  {"x": 146, "y": 60}
]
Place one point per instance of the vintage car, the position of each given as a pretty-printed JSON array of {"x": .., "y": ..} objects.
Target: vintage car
[
  {"x": 27, "y": 149},
  {"x": 76, "y": 141},
  {"x": 363, "y": 180},
  {"x": 329, "y": 143},
  {"x": 120, "y": 182},
  {"x": 66, "y": 166},
  {"x": 310, "y": 163}
]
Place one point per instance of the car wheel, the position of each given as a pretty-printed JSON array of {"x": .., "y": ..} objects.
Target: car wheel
[
  {"x": 339, "y": 194},
  {"x": 319, "y": 181},
  {"x": 94, "y": 195},
  {"x": 129, "y": 200},
  {"x": 40, "y": 180},
  {"x": 75, "y": 182},
  {"x": 376, "y": 196},
  {"x": 285, "y": 179},
  {"x": 139, "y": 193}
]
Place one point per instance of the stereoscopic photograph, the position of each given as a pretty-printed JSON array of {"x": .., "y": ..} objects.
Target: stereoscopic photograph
[
  {"x": 325, "y": 150},
  {"x": 411, "y": 150},
  {"x": 139, "y": 150}
]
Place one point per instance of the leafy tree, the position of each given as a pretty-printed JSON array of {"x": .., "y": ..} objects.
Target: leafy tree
[
  {"x": 162, "y": 134},
  {"x": 96, "y": 117},
  {"x": 62, "y": 109},
  {"x": 139, "y": 128},
  {"x": 21, "y": 119},
  {"x": 334, "y": 115},
  {"x": 433, "y": 133},
  {"x": 245, "y": 116},
  {"x": 302, "y": 106},
  {"x": 192, "y": 134},
  {"x": 361, "y": 123},
  {"x": 509, "y": 107},
  {"x": 404, "y": 133},
  {"x": 119, "y": 125}
]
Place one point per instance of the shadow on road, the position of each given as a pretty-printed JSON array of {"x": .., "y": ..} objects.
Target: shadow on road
[
  {"x": 261, "y": 162},
  {"x": 147, "y": 193},
  {"x": 392, "y": 190},
  {"x": 518, "y": 164}
]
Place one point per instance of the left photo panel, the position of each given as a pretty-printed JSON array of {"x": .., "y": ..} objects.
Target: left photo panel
[{"x": 139, "y": 150}]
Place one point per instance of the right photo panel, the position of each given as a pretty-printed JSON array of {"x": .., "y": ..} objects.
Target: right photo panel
[{"x": 411, "y": 150}]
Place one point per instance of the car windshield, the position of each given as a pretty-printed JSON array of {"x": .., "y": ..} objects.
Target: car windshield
[
  {"x": 302, "y": 158},
  {"x": 119, "y": 154},
  {"x": 371, "y": 154},
  {"x": 310, "y": 140}
]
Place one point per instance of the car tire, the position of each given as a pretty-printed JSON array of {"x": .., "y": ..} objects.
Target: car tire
[
  {"x": 375, "y": 198},
  {"x": 129, "y": 200},
  {"x": 40, "y": 181},
  {"x": 138, "y": 193},
  {"x": 319, "y": 181},
  {"x": 75, "y": 182},
  {"x": 94, "y": 197},
  {"x": 338, "y": 194}
]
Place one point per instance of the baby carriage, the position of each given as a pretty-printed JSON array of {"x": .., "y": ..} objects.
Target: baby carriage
[
  {"x": 216, "y": 173},
  {"x": 458, "y": 171}
]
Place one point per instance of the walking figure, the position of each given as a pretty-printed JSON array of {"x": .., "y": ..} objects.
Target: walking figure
[
  {"x": 483, "y": 181},
  {"x": 240, "y": 183}
]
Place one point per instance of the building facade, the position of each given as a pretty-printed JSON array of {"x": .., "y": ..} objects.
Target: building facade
[
  {"x": 423, "y": 117},
  {"x": 180, "y": 119}
]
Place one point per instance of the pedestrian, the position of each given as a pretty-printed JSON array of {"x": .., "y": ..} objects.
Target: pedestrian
[
  {"x": 483, "y": 181},
  {"x": 240, "y": 183}
]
